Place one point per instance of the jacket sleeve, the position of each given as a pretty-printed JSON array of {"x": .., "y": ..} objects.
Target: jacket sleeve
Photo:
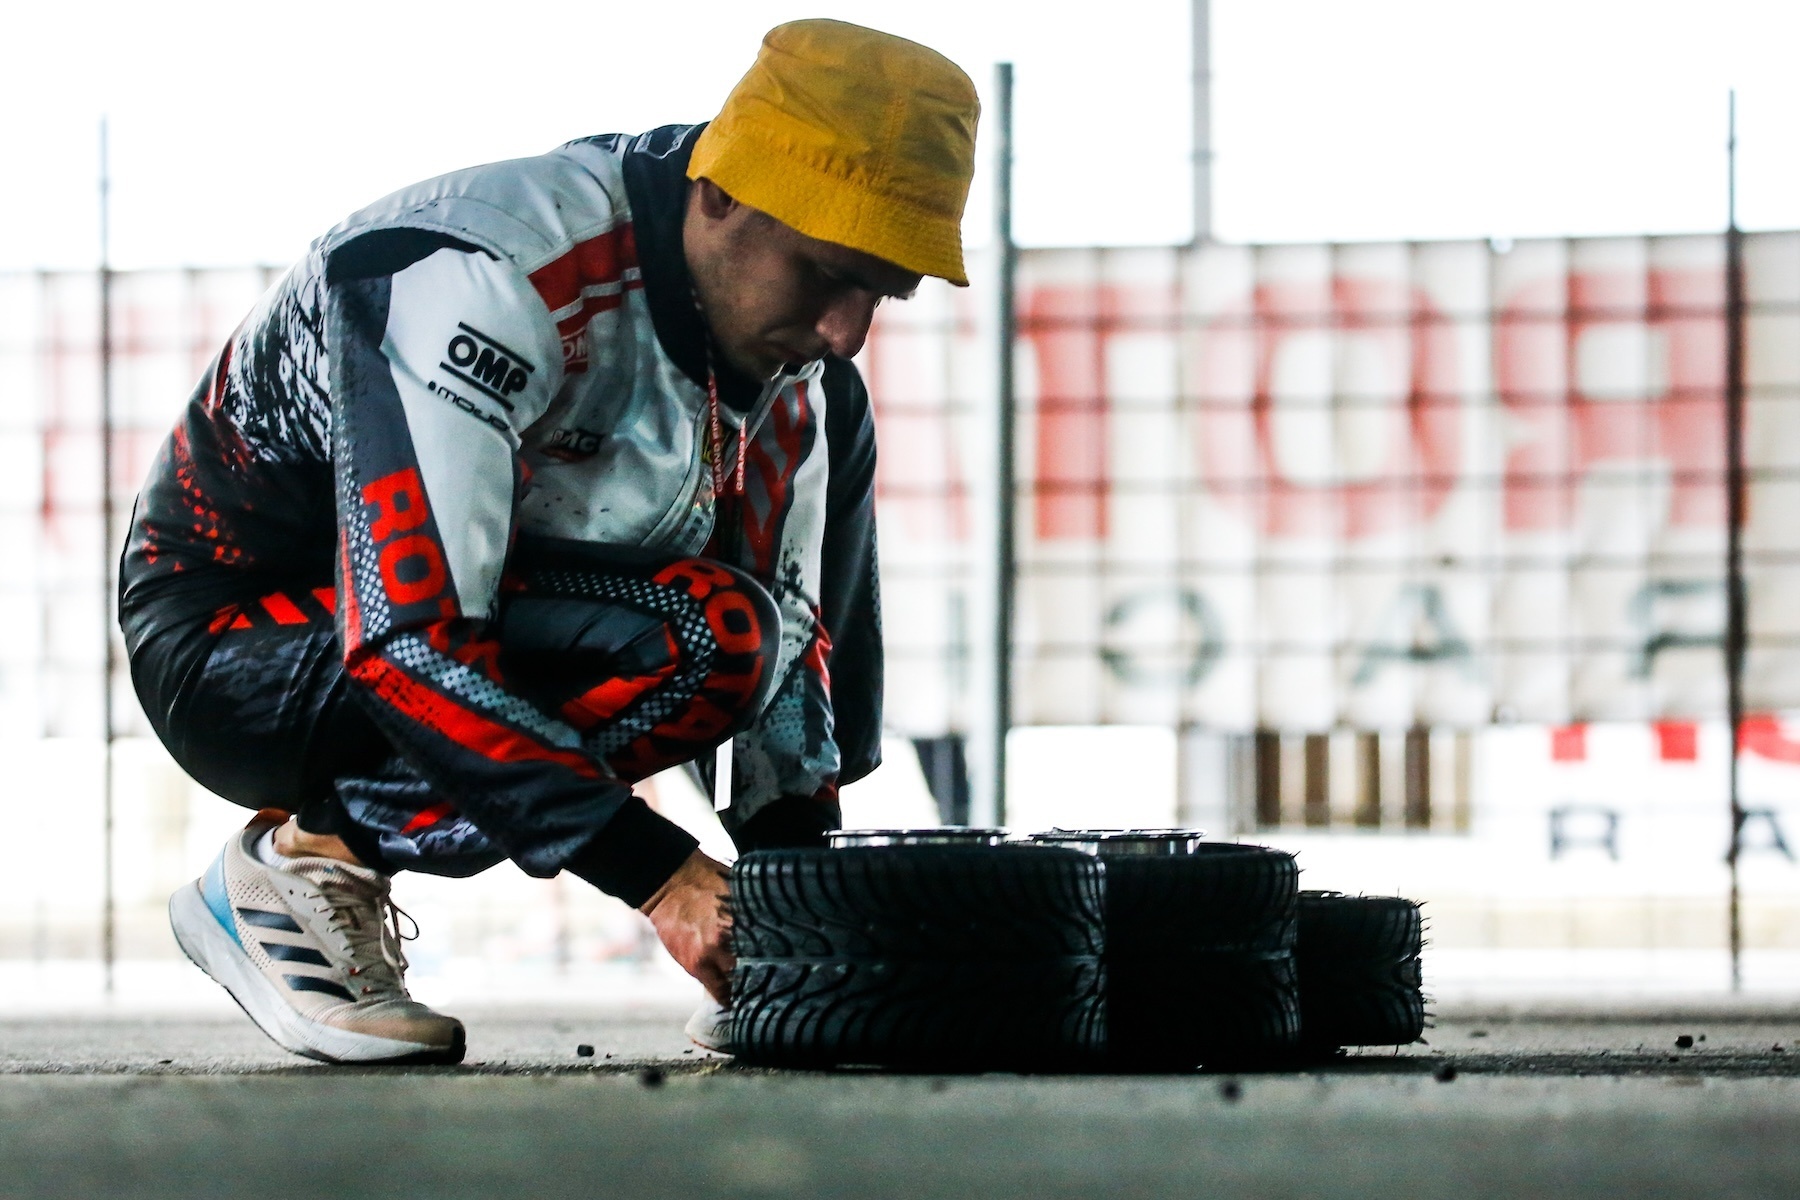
[
  {"x": 822, "y": 725},
  {"x": 435, "y": 368},
  {"x": 849, "y": 585}
]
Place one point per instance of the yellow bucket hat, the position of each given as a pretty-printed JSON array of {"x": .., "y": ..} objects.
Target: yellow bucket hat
[{"x": 854, "y": 137}]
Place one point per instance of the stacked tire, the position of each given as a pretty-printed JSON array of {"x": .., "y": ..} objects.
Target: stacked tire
[
  {"x": 960, "y": 954},
  {"x": 1358, "y": 959},
  {"x": 1078, "y": 950},
  {"x": 1199, "y": 949}
]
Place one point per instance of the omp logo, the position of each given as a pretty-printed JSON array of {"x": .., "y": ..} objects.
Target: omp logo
[
  {"x": 486, "y": 365},
  {"x": 572, "y": 445}
]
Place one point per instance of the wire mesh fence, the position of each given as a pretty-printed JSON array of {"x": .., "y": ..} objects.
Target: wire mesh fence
[
  {"x": 1409, "y": 556},
  {"x": 1307, "y": 488}
]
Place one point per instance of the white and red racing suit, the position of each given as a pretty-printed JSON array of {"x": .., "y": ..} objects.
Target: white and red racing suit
[{"x": 505, "y": 354}]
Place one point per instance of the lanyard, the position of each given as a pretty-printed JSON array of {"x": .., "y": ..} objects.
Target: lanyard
[{"x": 715, "y": 428}]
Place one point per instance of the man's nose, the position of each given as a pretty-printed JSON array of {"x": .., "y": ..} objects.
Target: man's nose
[{"x": 845, "y": 322}]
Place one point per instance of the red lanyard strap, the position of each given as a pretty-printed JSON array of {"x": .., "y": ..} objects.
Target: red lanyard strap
[{"x": 715, "y": 429}]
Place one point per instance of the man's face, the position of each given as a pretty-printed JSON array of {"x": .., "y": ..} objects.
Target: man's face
[{"x": 773, "y": 296}]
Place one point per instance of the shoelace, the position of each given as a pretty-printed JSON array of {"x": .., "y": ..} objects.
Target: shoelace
[{"x": 369, "y": 920}]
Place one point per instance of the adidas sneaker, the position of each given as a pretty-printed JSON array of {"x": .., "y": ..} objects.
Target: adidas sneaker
[
  {"x": 710, "y": 1027},
  {"x": 311, "y": 950}
]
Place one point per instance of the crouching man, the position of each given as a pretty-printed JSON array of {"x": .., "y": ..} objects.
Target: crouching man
[{"x": 528, "y": 482}]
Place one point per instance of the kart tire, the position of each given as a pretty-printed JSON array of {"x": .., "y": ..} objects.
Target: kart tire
[
  {"x": 1359, "y": 968},
  {"x": 1224, "y": 1009},
  {"x": 1223, "y": 896},
  {"x": 1199, "y": 962},
  {"x": 1358, "y": 930},
  {"x": 923, "y": 1015},
  {"x": 919, "y": 957}
]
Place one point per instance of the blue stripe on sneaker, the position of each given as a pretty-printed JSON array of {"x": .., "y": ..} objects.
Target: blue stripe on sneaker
[
  {"x": 312, "y": 983},
  {"x": 282, "y": 952},
  {"x": 212, "y": 890}
]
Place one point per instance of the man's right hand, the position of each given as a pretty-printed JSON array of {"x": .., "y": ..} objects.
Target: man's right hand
[{"x": 691, "y": 913}]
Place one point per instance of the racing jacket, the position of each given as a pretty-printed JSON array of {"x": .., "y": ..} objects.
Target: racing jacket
[{"x": 515, "y": 348}]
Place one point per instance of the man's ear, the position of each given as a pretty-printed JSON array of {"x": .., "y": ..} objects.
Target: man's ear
[{"x": 715, "y": 203}]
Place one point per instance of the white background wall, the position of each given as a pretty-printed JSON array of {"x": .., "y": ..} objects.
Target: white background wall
[{"x": 242, "y": 130}]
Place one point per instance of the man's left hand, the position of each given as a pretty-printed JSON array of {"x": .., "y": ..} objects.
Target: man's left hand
[{"x": 691, "y": 913}]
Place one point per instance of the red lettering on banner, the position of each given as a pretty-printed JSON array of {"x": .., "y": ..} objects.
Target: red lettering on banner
[
  {"x": 1631, "y": 371},
  {"x": 1067, "y": 328},
  {"x": 1764, "y": 737},
  {"x": 920, "y": 478},
  {"x": 422, "y": 559},
  {"x": 1568, "y": 743},
  {"x": 1677, "y": 741},
  {"x": 1287, "y": 438},
  {"x": 399, "y": 501}
]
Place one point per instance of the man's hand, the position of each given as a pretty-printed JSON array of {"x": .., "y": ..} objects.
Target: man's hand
[{"x": 691, "y": 913}]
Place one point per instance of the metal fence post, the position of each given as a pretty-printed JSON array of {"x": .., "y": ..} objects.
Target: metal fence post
[
  {"x": 1736, "y": 600},
  {"x": 1005, "y": 551},
  {"x": 109, "y": 900}
]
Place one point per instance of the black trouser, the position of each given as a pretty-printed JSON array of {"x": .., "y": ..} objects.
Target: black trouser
[{"x": 254, "y": 703}]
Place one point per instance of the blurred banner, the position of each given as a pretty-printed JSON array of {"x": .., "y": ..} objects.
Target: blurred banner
[
  {"x": 166, "y": 326},
  {"x": 1361, "y": 486},
  {"x": 1286, "y": 487}
]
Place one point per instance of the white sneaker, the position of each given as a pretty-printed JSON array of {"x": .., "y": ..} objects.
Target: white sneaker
[
  {"x": 311, "y": 951},
  {"x": 710, "y": 1027}
]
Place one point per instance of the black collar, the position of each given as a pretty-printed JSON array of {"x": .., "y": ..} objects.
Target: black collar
[{"x": 656, "y": 186}]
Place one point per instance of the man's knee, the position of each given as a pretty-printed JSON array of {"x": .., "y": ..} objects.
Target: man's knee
[{"x": 740, "y": 614}]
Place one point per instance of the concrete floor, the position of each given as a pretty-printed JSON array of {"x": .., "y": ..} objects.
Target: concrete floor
[{"x": 204, "y": 1106}]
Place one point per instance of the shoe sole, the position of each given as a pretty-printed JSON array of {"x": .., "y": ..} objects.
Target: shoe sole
[{"x": 217, "y": 953}]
